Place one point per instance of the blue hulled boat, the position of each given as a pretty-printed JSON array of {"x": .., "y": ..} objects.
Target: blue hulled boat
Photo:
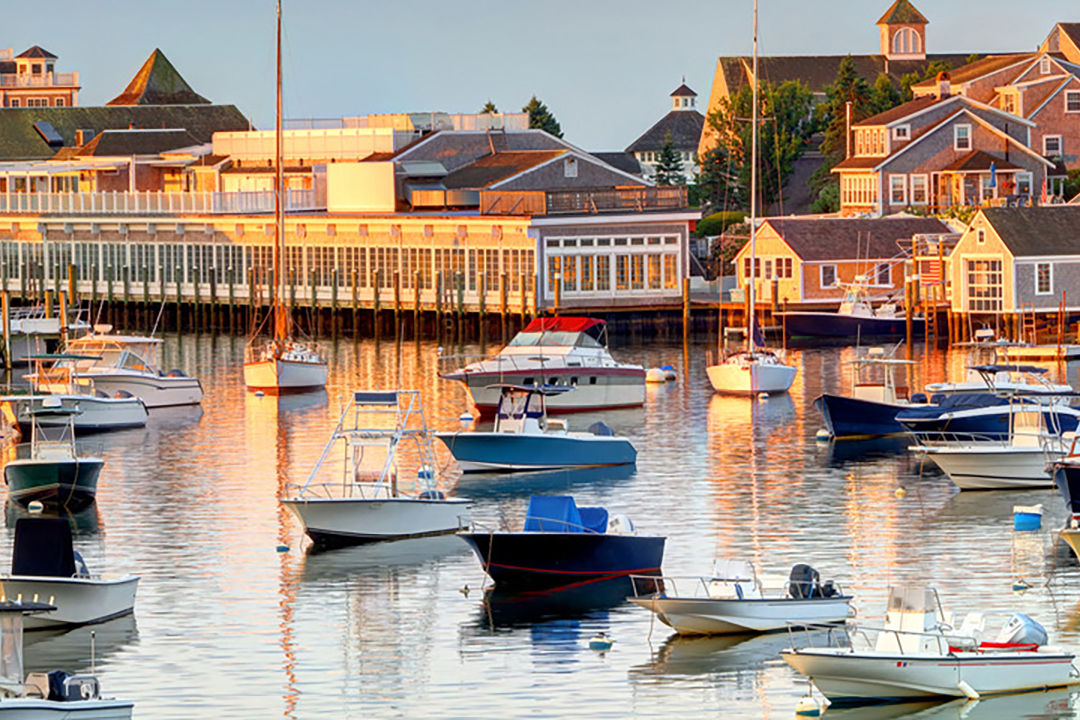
[
  {"x": 525, "y": 438},
  {"x": 984, "y": 415},
  {"x": 562, "y": 544},
  {"x": 870, "y": 410},
  {"x": 855, "y": 319},
  {"x": 1066, "y": 472}
]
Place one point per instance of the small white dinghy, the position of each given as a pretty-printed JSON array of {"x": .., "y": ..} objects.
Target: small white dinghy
[
  {"x": 45, "y": 567},
  {"x": 733, "y": 600},
  {"x": 367, "y": 500},
  {"x": 56, "y": 694},
  {"x": 918, "y": 655}
]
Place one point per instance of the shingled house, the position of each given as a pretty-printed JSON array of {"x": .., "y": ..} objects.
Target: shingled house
[
  {"x": 29, "y": 79},
  {"x": 683, "y": 124},
  {"x": 902, "y": 31}
]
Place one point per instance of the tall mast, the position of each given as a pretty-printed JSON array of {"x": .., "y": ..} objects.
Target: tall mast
[
  {"x": 753, "y": 197},
  {"x": 280, "y": 320}
]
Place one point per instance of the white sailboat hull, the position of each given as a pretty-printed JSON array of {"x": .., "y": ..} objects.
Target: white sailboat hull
[
  {"x": 358, "y": 520},
  {"x": 95, "y": 413},
  {"x": 750, "y": 378},
  {"x": 982, "y": 466},
  {"x": 721, "y": 616},
  {"x": 78, "y": 601},
  {"x": 277, "y": 375}
]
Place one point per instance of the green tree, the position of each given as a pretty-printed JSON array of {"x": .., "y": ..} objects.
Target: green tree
[
  {"x": 885, "y": 95},
  {"x": 540, "y": 117},
  {"x": 851, "y": 87},
  {"x": 973, "y": 57},
  {"x": 489, "y": 108},
  {"x": 669, "y": 164}
]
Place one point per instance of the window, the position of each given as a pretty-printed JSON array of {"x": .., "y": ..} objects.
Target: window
[
  {"x": 898, "y": 189},
  {"x": 1072, "y": 101},
  {"x": 828, "y": 276},
  {"x": 902, "y": 132},
  {"x": 1044, "y": 66},
  {"x": 918, "y": 190},
  {"x": 570, "y": 167},
  {"x": 746, "y": 267},
  {"x": 14, "y": 102},
  {"x": 1052, "y": 145},
  {"x": 784, "y": 268},
  {"x": 883, "y": 275},
  {"x": 984, "y": 286},
  {"x": 906, "y": 42},
  {"x": 603, "y": 273},
  {"x": 1044, "y": 278},
  {"x": 1023, "y": 183},
  {"x": 980, "y": 236},
  {"x": 59, "y": 102},
  {"x": 1008, "y": 102},
  {"x": 961, "y": 137}
]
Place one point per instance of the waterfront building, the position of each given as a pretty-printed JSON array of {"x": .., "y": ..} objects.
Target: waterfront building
[
  {"x": 683, "y": 124},
  {"x": 30, "y": 80},
  {"x": 804, "y": 260}
]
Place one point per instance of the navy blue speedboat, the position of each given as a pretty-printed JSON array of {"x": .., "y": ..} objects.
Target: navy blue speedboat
[
  {"x": 870, "y": 410},
  {"x": 563, "y": 544},
  {"x": 985, "y": 415}
]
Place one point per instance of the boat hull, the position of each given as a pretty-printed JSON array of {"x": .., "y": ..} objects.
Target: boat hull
[
  {"x": 78, "y": 601},
  {"x": 25, "y": 708},
  {"x": 847, "y": 417},
  {"x": 612, "y": 388},
  {"x": 847, "y": 677},
  {"x": 835, "y": 325},
  {"x": 488, "y": 451},
  {"x": 1067, "y": 479},
  {"x": 716, "y": 616},
  {"x": 991, "y": 423},
  {"x": 549, "y": 559},
  {"x": 1000, "y": 467},
  {"x": 1071, "y": 536},
  {"x": 750, "y": 378},
  {"x": 154, "y": 390},
  {"x": 354, "y": 521},
  {"x": 95, "y": 413},
  {"x": 66, "y": 483},
  {"x": 284, "y": 376}
]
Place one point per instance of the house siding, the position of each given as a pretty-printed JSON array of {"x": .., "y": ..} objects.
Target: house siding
[
  {"x": 552, "y": 176},
  {"x": 969, "y": 248},
  {"x": 1064, "y": 277},
  {"x": 1053, "y": 120}
]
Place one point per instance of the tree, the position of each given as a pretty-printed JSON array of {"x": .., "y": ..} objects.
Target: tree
[
  {"x": 489, "y": 108},
  {"x": 540, "y": 117},
  {"x": 849, "y": 86},
  {"x": 669, "y": 165},
  {"x": 885, "y": 95}
]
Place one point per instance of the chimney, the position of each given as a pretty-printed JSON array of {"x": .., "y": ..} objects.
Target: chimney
[
  {"x": 80, "y": 138},
  {"x": 944, "y": 87},
  {"x": 131, "y": 126}
]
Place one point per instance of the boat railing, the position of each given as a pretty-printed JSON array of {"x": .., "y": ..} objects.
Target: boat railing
[
  {"x": 946, "y": 438},
  {"x": 703, "y": 584},
  {"x": 482, "y": 528},
  {"x": 335, "y": 490},
  {"x": 522, "y": 363},
  {"x": 850, "y": 634},
  {"x": 25, "y": 450}
]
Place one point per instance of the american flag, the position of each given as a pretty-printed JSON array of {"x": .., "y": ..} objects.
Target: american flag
[{"x": 931, "y": 272}]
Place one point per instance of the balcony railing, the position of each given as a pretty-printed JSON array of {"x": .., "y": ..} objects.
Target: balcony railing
[
  {"x": 155, "y": 203},
  {"x": 30, "y": 80},
  {"x": 582, "y": 202}
]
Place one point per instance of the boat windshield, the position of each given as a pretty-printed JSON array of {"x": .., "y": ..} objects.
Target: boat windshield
[
  {"x": 518, "y": 405},
  {"x": 552, "y": 337},
  {"x": 108, "y": 358}
]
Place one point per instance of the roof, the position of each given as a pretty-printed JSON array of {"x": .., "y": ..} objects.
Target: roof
[
  {"x": 36, "y": 52},
  {"x": 683, "y": 125},
  {"x": 850, "y": 238},
  {"x": 984, "y": 66},
  {"x": 20, "y": 141},
  {"x": 136, "y": 142},
  {"x": 861, "y": 162},
  {"x": 562, "y": 324},
  {"x": 620, "y": 161},
  {"x": 158, "y": 83},
  {"x": 901, "y": 12},
  {"x": 683, "y": 91},
  {"x": 979, "y": 160},
  {"x": 499, "y": 166},
  {"x": 1072, "y": 30},
  {"x": 1037, "y": 231},
  {"x": 900, "y": 111}
]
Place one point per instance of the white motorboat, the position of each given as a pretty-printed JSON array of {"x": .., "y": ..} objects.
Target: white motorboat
[
  {"x": 559, "y": 351},
  {"x": 918, "y": 655},
  {"x": 733, "y": 600},
  {"x": 1005, "y": 378},
  {"x": 39, "y": 695},
  {"x": 45, "y": 566},
  {"x": 754, "y": 370},
  {"x": 1020, "y": 460},
  {"x": 367, "y": 500},
  {"x": 525, "y": 438},
  {"x": 123, "y": 364}
]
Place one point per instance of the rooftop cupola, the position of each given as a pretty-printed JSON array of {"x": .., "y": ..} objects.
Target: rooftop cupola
[
  {"x": 683, "y": 98},
  {"x": 903, "y": 32}
]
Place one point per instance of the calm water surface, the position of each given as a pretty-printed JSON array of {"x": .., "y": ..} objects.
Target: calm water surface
[{"x": 227, "y": 627}]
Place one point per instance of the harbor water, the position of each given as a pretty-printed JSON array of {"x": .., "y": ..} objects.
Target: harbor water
[{"x": 235, "y": 619}]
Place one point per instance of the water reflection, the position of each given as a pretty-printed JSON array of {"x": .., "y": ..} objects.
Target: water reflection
[
  {"x": 680, "y": 656},
  {"x": 83, "y": 523},
  {"x": 70, "y": 649},
  {"x": 1049, "y": 705},
  {"x": 552, "y": 482},
  {"x": 526, "y": 609}
]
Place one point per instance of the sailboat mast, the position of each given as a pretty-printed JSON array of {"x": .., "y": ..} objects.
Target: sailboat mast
[
  {"x": 753, "y": 196},
  {"x": 279, "y": 216}
]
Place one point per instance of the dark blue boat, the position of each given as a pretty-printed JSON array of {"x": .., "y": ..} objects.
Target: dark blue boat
[
  {"x": 811, "y": 324},
  {"x": 563, "y": 544},
  {"x": 1067, "y": 479},
  {"x": 982, "y": 414},
  {"x": 847, "y": 417}
]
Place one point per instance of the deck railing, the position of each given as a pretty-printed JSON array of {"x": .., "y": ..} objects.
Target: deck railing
[
  {"x": 582, "y": 202},
  {"x": 152, "y": 202},
  {"x": 53, "y": 79}
]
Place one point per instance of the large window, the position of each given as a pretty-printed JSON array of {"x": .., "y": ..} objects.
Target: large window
[
  {"x": 918, "y": 190},
  {"x": 1023, "y": 183},
  {"x": 1052, "y": 145},
  {"x": 906, "y": 42},
  {"x": 828, "y": 276},
  {"x": 883, "y": 274},
  {"x": 984, "y": 286},
  {"x": 898, "y": 189},
  {"x": 1044, "y": 278}
]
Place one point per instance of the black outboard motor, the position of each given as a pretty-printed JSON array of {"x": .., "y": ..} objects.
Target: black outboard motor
[
  {"x": 804, "y": 582},
  {"x": 601, "y": 428}
]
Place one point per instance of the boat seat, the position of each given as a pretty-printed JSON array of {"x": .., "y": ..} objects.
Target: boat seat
[{"x": 37, "y": 685}]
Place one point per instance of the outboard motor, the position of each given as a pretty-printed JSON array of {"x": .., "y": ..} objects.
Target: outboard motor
[
  {"x": 601, "y": 428},
  {"x": 621, "y": 525},
  {"x": 1022, "y": 630},
  {"x": 829, "y": 589},
  {"x": 804, "y": 582},
  {"x": 81, "y": 570}
]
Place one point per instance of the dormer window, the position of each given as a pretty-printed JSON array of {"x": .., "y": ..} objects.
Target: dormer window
[
  {"x": 902, "y": 132},
  {"x": 1044, "y": 66},
  {"x": 906, "y": 42},
  {"x": 962, "y": 137},
  {"x": 570, "y": 168},
  {"x": 1009, "y": 103}
]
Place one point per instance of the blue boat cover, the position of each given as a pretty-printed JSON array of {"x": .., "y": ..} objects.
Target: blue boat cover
[
  {"x": 594, "y": 518},
  {"x": 960, "y": 401},
  {"x": 555, "y": 513},
  {"x": 43, "y": 548}
]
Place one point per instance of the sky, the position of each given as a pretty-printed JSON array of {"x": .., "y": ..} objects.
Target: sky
[{"x": 603, "y": 67}]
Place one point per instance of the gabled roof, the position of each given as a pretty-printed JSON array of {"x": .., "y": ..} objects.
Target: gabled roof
[
  {"x": 1072, "y": 30},
  {"x": 902, "y": 110},
  {"x": 158, "y": 83},
  {"x": 978, "y": 160},
  {"x": 36, "y": 52},
  {"x": 685, "y": 128},
  {"x": 620, "y": 161},
  {"x": 487, "y": 171},
  {"x": 972, "y": 71},
  {"x": 683, "y": 91},
  {"x": 901, "y": 12},
  {"x": 1037, "y": 231},
  {"x": 109, "y": 143},
  {"x": 820, "y": 239}
]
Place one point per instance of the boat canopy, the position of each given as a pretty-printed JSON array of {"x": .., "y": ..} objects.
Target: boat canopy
[
  {"x": 564, "y": 331},
  {"x": 960, "y": 401},
  {"x": 43, "y": 548},
  {"x": 559, "y": 513},
  {"x": 991, "y": 369},
  {"x": 563, "y": 324}
]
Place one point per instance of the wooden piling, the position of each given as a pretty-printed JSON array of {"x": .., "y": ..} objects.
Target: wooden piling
[
  {"x": 213, "y": 299},
  {"x": 481, "y": 309},
  {"x": 416, "y": 304},
  {"x": 909, "y": 309},
  {"x": 558, "y": 294},
  {"x": 439, "y": 290},
  {"x": 502, "y": 308},
  {"x": 376, "y": 280},
  {"x": 62, "y": 296},
  {"x": 397, "y": 305},
  {"x": 355, "y": 302},
  {"x": 48, "y": 303},
  {"x": 685, "y": 308},
  {"x": 232, "y": 298},
  {"x": 521, "y": 285},
  {"x": 72, "y": 276},
  {"x": 179, "y": 298},
  {"x": 333, "y": 301},
  {"x": 5, "y": 310}
]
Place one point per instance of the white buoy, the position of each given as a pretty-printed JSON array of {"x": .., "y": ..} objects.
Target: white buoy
[
  {"x": 669, "y": 372},
  {"x": 655, "y": 375},
  {"x": 35, "y": 507},
  {"x": 823, "y": 435},
  {"x": 601, "y": 642},
  {"x": 808, "y": 706},
  {"x": 466, "y": 419},
  {"x": 259, "y": 393},
  {"x": 969, "y": 692},
  {"x": 763, "y": 396}
]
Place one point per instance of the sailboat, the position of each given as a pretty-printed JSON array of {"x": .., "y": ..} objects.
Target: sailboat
[
  {"x": 282, "y": 363},
  {"x": 755, "y": 369}
]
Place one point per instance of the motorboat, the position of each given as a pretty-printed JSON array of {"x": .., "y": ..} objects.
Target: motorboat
[
  {"x": 919, "y": 655},
  {"x": 998, "y": 377},
  {"x": 558, "y": 351},
  {"x": 855, "y": 319},
  {"x": 57, "y": 694},
  {"x": 95, "y": 411},
  {"x": 356, "y": 494},
  {"x": 50, "y": 469},
  {"x": 45, "y": 565},
  {"x": 1017, "y": 461},
  {"x": 525, "y": 438},
  {"x": 123, "y": 364},
  {"x": 34, "y": 331},
  {"x": 561, "y": 543},
  {"x": 870, "y": 410},
  {"x": 1066, "y": 474},
  {"x": 751, "y": 373},
  {"x": 733, "y": 600}
]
